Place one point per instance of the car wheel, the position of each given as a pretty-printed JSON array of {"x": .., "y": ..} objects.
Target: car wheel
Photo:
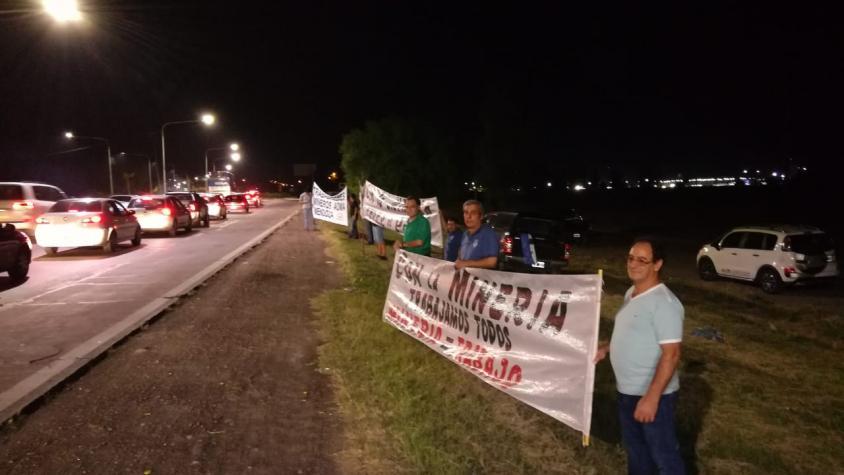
[
  {"x": 189, "y": 227},
  {"x": 110, "y": 245},
  {"x": 51, "y": 251},
  {"x": 21, "y": 268},
  {"x": 770, "y": 281},
  {"x": 136, "y": 241},
  {"x": 172, "y": 231},
  {"x": 706, "y": 269}
]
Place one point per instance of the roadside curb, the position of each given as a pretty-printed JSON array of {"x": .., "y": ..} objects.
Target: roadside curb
[{"x": 19, "y": 396}]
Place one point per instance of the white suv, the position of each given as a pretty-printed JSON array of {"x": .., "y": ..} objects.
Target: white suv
[
  {"x": 22, "y": 203},
  {"x": 772, "y": 256}
]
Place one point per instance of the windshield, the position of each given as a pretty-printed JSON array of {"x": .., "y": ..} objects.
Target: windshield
[
  {"x": 147, "y": 203},
  {"x": 76, "y": 206},
  {"x": 538, "y": 227},
  {"x": 231, "y": 198},
  {"x": 11, "y": 192},
  {"x": 810, "y": 243}
]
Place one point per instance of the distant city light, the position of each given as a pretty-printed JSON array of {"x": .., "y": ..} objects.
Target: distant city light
[
  {"x": 68, "y": 135},
  {"x": 548, "y": 184},
  {"x": 228, "y": 167},
  {"x": 579, "y": 188},
  {"x": 234, "y": 147},
  {"x": 744, "y": 171},
  {"x": 774, "y": 174},
  {"x": 208, "y": 119},
  {"x": 235, "y": 156},
  {"x": 63, "y": 11}
]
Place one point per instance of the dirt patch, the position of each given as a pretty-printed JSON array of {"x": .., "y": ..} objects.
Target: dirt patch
[{"x": 227, "y": 382}]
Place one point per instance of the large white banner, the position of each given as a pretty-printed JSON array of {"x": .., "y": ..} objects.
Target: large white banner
[
  {"x": 532, "y": 336},
  {"x": 331, "y": 208},
  {"x": 387, "y": 210}
]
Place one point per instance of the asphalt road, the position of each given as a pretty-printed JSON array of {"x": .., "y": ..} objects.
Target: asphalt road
[{"x": 76, "y": 295}]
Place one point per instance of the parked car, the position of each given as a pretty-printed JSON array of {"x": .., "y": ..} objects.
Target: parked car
[
  {"x": 577, "y": 228},
  {"x": 771, "y": 256},
  {"x": 160, "y": 213},
  {"x": 530, "y": 242},
  {"x": 254, "y": 198},
  {"x": 197, "y": 206},
  {"x": 83, "y": 222},
  {"x": 15, "y": 252},
  {"x": 21, "y": 203},
  {"x": 237, "y": 203},
  {"x": 216, "y": 205},
  {"x": 124, "y": 199}
]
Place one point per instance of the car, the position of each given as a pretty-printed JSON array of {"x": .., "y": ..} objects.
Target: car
[
  {"x": 771, "y": 256},
  {"x": 86, "y": 222},
  {"x": 577, "y": 228},
  {"x": 21, "y": 203},
  {"x": 216, "y": 205},
  {"x": 161, "y": 213},
  {"x": 197, "y": 206},
  {"x": 124, "y": 199},
  {"x": 237, "y": 203},
  {"x": 254, "y": 198},
  {"x": 15, "y": 252},
  {"x": 530, "y": 242}
]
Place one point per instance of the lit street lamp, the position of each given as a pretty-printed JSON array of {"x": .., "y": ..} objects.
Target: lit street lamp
[
  {"x": 71, "y": 136},
  {"x": 234, "y": 147},
  {"x": 63, "y": 11},
  {"x": 207, "y": 119},
  {"x": 235, "y": 156},
  {"x": 229, "y": 167}
]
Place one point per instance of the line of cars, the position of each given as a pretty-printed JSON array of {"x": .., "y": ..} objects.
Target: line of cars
[{"x": 45, "y": 213}]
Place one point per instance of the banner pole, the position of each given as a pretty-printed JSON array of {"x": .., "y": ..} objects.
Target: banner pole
[{"x": 586, "y": 436}]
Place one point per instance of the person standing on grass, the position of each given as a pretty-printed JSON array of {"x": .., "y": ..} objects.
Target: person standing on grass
[
  {"x": 645, "y": 350},
  {"x": 354, "y": 214},
  {"x": 305, "y": 200},
  {"x": 479, "y": 247},
  {"x": 377, "y": 236},
  {"x": 455, "y": 238},
  {"x": 417, "y": 230}
]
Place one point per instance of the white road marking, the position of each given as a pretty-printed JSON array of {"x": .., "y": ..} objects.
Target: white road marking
[{"x": 32, "y": 299}]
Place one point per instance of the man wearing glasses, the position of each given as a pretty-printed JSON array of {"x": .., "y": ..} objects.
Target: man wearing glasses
[
  {"x": 417, "y": 230},
  {"x": 645, "y": 351}
]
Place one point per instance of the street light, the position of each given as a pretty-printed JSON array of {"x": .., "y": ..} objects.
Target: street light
[
  {"x": 70, "y": 136},
  {"x": 207, "y": 119},
  {"x": 232, "y": 146},
  {"x": 235, "y": 156},
  {"x": 63, "y": 11},
  {"x": 228, "y": 167}
]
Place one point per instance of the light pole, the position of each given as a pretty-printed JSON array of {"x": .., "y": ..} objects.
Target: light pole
[
  {"x": 207, "y": 119},
  {"x": 63, "y": 11},
  {"x": 234, "y": 147},
  {"x": 70, "y": 136}
]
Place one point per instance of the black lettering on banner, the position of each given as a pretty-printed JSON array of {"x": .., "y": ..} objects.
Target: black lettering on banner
[
  {"x": 503, "y": 291},
  {"x": 483, "y": 295},
  {"x": 459, "y": 282},
  {"x": 432, "y": 280},
  {"x": 538, "y": 309},
  {"x": 492, "y": 333},
  {"x": 557, "y": 316},
  {"x": 522, "y": 302}
]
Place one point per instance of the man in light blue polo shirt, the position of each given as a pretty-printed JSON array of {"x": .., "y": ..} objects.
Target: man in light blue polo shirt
[
  {"x": 480, "y": 243},
  {"x": 645, "y": 351}
]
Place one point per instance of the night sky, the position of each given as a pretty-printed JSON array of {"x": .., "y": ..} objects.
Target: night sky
[{"x": 691, "y": 89}]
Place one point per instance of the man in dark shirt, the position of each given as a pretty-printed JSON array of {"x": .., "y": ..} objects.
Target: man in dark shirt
[{"x": 455, "y": 238}]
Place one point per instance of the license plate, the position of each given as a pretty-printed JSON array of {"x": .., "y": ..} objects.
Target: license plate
[{"x": 538, "y": 265}]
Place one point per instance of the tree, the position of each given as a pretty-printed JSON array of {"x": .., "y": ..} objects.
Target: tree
[{"x": 403, "y": 156}]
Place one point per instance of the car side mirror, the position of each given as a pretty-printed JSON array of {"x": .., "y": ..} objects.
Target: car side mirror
[{"x": 716, "y": 246}]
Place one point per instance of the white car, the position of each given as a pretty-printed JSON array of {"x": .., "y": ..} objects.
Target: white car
[
  {"x": 772, "y": 256},
  {"x": 21, "y": 203},
  {"x": 124, "y": 199},
  {"x": 157, "y": 213},
  {"x": 85, "y": 222}
]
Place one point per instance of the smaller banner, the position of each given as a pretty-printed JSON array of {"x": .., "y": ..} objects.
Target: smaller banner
[
  {"x": 387, "y": 210},
  {"x": 531, "y": 336},
  {"x": 331, "y": 208}
]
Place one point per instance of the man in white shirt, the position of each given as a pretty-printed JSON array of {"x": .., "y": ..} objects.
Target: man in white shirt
[{"x": 307, "y": 214}]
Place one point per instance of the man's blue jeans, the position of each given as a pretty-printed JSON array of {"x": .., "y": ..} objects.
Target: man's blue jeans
[{"x": 651, "y": 448}]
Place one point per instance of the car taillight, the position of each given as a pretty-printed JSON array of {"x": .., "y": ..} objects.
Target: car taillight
[
  {"x": 566, "y": 251},
  {"x": 192, "y": 207},
  {"x": 166, "y": 211},
  {"x": 22, "y": 205},
  {"x": 92, "y": 219},
  {"x": 42, "y": 221},
  {"x": 507, "y": 244},
  {"x": 788, "y": 271}
]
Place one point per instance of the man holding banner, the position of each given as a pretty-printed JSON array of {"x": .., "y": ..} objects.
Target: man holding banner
[
  {"x": 417, "y": 231},
  {"x": 479, "y": 248},
  {"x": 645, "y": 351}
]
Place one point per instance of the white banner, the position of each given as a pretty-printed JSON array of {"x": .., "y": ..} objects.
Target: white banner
[
  {"x": 532, "y": 336},
  {"x": 331, "y": 208},
  {"x": 387, "y": 210}
]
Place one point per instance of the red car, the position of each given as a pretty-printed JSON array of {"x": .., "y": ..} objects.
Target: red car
[{"x": 237, "y": 203}]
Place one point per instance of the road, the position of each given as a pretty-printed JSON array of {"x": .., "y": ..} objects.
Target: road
[{"x": 71, "y": 299}]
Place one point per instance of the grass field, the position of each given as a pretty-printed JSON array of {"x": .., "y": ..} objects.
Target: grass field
[{"x": 770, "y": 399}]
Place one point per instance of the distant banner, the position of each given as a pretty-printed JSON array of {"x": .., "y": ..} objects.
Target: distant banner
[
  {"x": 331, "y": 208},
  {"x": 532, "y": 336},
  {"x": 387, "y": 211}
]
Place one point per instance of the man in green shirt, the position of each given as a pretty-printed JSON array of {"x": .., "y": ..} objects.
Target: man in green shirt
[{"x": 417, "y": 231}]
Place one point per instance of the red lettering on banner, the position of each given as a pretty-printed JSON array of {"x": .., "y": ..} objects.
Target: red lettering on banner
[
  {"x": 538, "y": 309},
  {"x": 475, "y": 358},
  {"x": 522, "y": 302},
  {"x": 503, "y": 291}
]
